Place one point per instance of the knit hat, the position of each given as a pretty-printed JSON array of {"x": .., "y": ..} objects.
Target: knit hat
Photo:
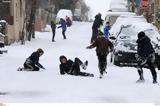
[
  {"x": 141, "y": 34},
  {"x": 40, "y": 50},
  {"x": 62, "y": 57}
]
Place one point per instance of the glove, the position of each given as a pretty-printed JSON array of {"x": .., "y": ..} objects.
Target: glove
[
  {"x": 43, "y": 68},
  {"x": 88, "y": 47}
]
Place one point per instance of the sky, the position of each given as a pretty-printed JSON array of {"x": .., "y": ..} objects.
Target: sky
[{"x": 97, "y": 6}]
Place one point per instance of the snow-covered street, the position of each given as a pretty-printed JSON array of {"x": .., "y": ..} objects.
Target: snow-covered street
[{"x": 118, "y": 86}]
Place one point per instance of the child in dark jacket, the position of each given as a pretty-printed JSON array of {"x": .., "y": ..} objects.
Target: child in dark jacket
[
  {"x": 53, "y": 26},
  {"x": 32, "y": 62},
  {"x": 73, "y": 67},
  {"x": 103, "y": 47},
  {"x": 146, "y": 55},
  {"x": 63, "y": 26}
]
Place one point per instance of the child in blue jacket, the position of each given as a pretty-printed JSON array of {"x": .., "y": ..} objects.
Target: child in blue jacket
[
  {"x": 106, "y": 30},
  {"x": 63, "y": 26}
]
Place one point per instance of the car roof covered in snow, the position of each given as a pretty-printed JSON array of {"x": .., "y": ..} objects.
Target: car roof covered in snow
[
  {"x": 108, "y": 13},
  {"x": 147, "y": 28},
  {"x": 62, "y": 13},
  {"x": 125, "y": 20},
  {"x": 118, "y": 5}
]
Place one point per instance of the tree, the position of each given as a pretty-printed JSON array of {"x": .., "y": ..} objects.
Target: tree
[{"x": 32, "y": 5}]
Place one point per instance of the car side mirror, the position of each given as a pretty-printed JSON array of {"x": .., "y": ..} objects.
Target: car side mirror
[{"x": 112, "y": 38}]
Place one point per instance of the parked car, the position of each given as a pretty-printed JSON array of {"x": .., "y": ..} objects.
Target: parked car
[
  {"x": 125, "y": 46},
  {"x": 65, "y": 14},
  {"x": 118, "y": 6},
  {"x": 124, "y": 20},
  {"x": 111, "y": 17}
]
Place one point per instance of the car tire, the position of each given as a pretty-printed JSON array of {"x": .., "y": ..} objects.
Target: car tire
[{"x": 116, "y": 62}]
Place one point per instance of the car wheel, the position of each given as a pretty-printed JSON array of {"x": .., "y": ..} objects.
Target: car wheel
[
  {"x": 116, "y": 61},
  {"x": 112, "y": 57}
]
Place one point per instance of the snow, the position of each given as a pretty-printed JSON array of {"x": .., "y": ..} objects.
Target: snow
[{"x": 118, "y": 86}]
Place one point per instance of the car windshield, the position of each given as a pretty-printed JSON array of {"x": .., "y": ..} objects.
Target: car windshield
[
  {"x": 127, "y": 33},
  {"x": 112, "y": 19},
  {"x": 150, "y": 33}
]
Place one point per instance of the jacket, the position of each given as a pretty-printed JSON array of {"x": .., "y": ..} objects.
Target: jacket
[
  {"x": 53, "y": 25},
  {"x": 97, "y": 22},
  {"x": 66, "y": 67},
  {"x": 34, "y": 60},
  {"x": 106, "y": 31},
  {"x": 102, "y": 46},
  {"x": 144, "y": 46},
  {"x": 63, "y": 25}
]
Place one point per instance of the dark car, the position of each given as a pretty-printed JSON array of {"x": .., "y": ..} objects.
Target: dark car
[{"x": 125, "y": 46}]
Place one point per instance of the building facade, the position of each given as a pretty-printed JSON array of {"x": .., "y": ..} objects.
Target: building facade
[{"x": 13, "y": 11}]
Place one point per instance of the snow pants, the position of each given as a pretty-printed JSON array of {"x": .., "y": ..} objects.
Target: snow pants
[
  {"x": 30, "y": 66},
  {"x": 150, "y": 62},
  {"x": 54, "y": 32},
  {"x": 75, "y": 70},
  {"x": 102, "y": 63},
  {"x": 63, "y": 33}
]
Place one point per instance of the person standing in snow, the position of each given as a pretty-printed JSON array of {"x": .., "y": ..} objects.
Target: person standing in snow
[
  {"x": 146, "y": 55},
  {"x": 68, "y": 21},
  {"x": 103, "y": 47},
  {"x": 53, "y": 27},
  {"x": 63, "y": 26},
  {"x": 106, "y": 30},
  {"x": 96, "y": 25},
  {"x": 73, "y": 67},
  {"x": 32, "y": 62}
]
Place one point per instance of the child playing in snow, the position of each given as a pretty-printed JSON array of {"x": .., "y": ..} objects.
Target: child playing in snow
[
  {"x": 63, "y": 26},
  {"x": 32, "y": 62},
  {"x": 103, "y": 47},
  {"x": 73, "y": 67},
  {"x": 106, "y": 30}
]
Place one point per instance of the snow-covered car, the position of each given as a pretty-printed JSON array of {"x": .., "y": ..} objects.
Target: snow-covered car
[
  {"x": 124, "y": 20},
  {"x": 113, "y": 16},
  {"x": 125, "y": 46},
  {"x": 64, "y": 13},
  {"x": 118, "y": 6}
]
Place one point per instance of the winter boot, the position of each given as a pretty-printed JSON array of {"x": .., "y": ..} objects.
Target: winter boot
[
  {"x": 141, "y": 79},
  {"x": 155, "y": 82},
  {"x": 101, "y": 76},
  {"x": 91, "y": 75},
  {"x": 84, "y": 65},
  {"x": 105, "y": 72},
  {"x": 20, "y": 69}
]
